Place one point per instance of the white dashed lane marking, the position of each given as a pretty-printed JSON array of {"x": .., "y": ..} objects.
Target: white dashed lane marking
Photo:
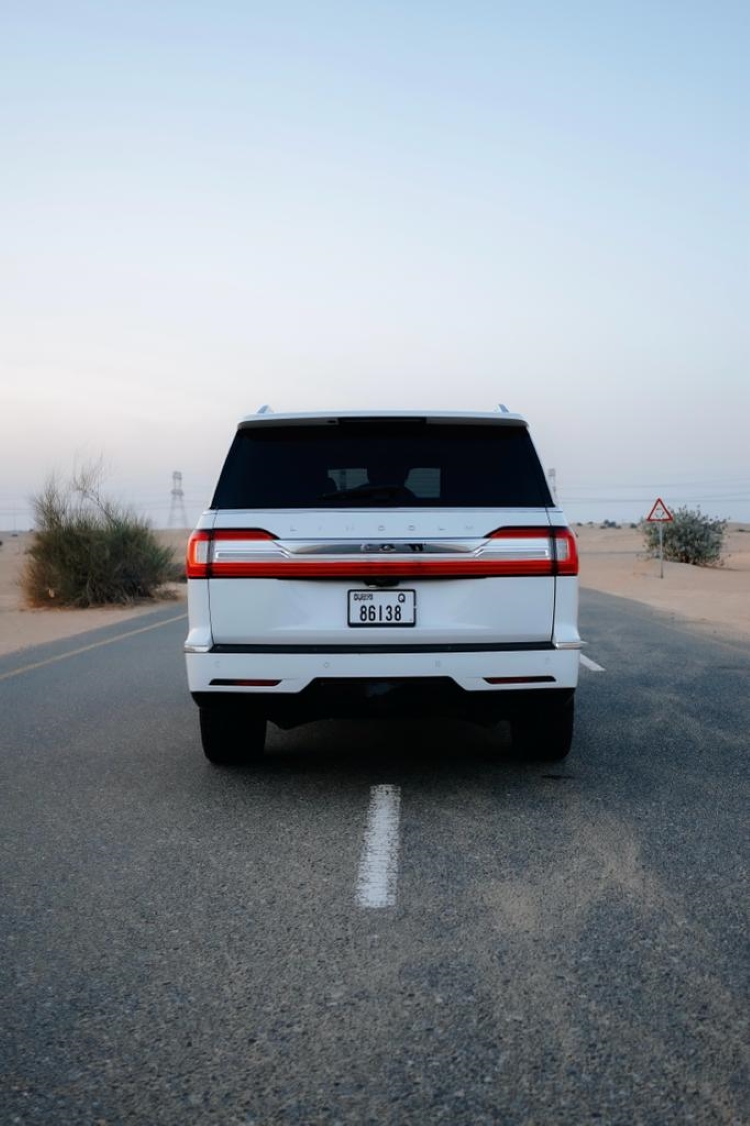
[
  {"x": 378, "y": 867},
  {"x": 592, "y": 665}
]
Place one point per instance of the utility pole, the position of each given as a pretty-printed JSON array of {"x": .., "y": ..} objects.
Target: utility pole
[
  {"x": 552, "y": 474},
  {"x": 177, "y": 511}
]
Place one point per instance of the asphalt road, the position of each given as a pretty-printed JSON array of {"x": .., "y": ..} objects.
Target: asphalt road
[{"x": 568, "y": 944}]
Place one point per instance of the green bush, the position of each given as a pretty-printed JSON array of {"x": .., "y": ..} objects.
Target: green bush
[
  {"x": 690, "y": 538},
  {"x": 90, "y": 551}
]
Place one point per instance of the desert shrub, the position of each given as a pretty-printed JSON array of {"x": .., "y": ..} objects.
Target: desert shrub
[
  {"x": 692, "y": 537},
  {"x": 88, "y": 550}
]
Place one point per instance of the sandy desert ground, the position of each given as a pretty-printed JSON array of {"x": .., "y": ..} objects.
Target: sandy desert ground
[{"x": 714, "y": 599}]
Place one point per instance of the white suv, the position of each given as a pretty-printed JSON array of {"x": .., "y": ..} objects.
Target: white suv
[{"x": 382, "y": 563}]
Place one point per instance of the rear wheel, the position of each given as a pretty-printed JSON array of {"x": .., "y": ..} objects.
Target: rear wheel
[
  {"x": 231, "y": 737},
  {"x": 546, "y": 736}
]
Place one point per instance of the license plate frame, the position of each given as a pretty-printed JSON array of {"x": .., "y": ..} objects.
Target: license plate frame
[{"x": 383, "y": 609}]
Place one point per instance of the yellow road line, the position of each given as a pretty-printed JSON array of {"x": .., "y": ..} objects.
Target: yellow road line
[{"x": 87, "y": 648}]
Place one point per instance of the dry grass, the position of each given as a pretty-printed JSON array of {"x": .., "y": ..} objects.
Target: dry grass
[{"x": 89, "y": 551}]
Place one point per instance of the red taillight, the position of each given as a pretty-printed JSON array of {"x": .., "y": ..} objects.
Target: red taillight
[
  {"x": 198, "y": 550},
  {"x": 507, "y": 552},
  {"x": 541, "y": 551},
  {"x": 523, "y": 551},
  {"x": 201, "y": 550},
  {"x": 241, "y": 534},
  {"x": 370, "y": 568},
  {"x": 566, "y": 552}
]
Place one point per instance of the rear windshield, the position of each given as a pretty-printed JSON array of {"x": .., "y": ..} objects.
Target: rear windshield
[{"x": 385, "y": 464}]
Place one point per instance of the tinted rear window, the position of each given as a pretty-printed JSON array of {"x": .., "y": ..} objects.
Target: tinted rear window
[{"x": 381, "y": 465}]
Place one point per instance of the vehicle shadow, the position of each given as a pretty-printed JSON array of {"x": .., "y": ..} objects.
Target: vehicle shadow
[{"x": 407, "y": 748}]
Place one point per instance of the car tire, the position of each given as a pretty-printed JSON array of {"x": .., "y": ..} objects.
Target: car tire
[
  {"x": 546, "y": 737},
  {"x": 231, "y": 737}
]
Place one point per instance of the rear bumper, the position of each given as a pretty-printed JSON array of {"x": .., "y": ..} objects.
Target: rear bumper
[
  {"x": 395, "y": 698},
  {"x": 336, "y": 684}
]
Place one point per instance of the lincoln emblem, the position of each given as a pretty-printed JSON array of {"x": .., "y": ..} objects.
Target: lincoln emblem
[{"x": 373, "y": 547}]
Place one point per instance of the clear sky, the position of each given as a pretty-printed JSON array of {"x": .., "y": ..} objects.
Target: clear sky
[{"x": 207, "y": 207}]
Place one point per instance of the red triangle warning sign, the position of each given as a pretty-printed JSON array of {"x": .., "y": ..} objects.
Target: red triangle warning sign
[{"x": 660, "y": 514}]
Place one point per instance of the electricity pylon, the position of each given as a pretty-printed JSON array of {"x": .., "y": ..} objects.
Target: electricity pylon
[{"x": 177, "y": 511}]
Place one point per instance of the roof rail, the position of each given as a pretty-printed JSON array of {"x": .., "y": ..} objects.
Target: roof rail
[
  {"x": 265, "y": 409},
  {"x": 502, "y": 408}
]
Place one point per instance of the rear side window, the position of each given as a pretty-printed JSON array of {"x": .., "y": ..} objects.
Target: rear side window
[{"x": 382, "y": 464}]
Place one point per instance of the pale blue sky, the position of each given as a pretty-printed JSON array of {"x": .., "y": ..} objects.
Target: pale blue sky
[{"x": 320, "y": 205}]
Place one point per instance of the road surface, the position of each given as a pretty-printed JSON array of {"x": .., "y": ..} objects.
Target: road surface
[{"x": 386, "y": 922}]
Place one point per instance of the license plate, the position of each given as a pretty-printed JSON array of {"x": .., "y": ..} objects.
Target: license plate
[{"x": 382, "y": 608}]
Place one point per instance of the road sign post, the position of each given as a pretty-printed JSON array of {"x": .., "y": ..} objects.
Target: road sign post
[{"x": 660, "y": 515}]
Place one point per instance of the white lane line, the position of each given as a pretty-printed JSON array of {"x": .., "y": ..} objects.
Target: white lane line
[
  {"x": 378, "y": 867},
  {"x": 87, "y": 648},
  {"x": 589, "y": 664}
]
